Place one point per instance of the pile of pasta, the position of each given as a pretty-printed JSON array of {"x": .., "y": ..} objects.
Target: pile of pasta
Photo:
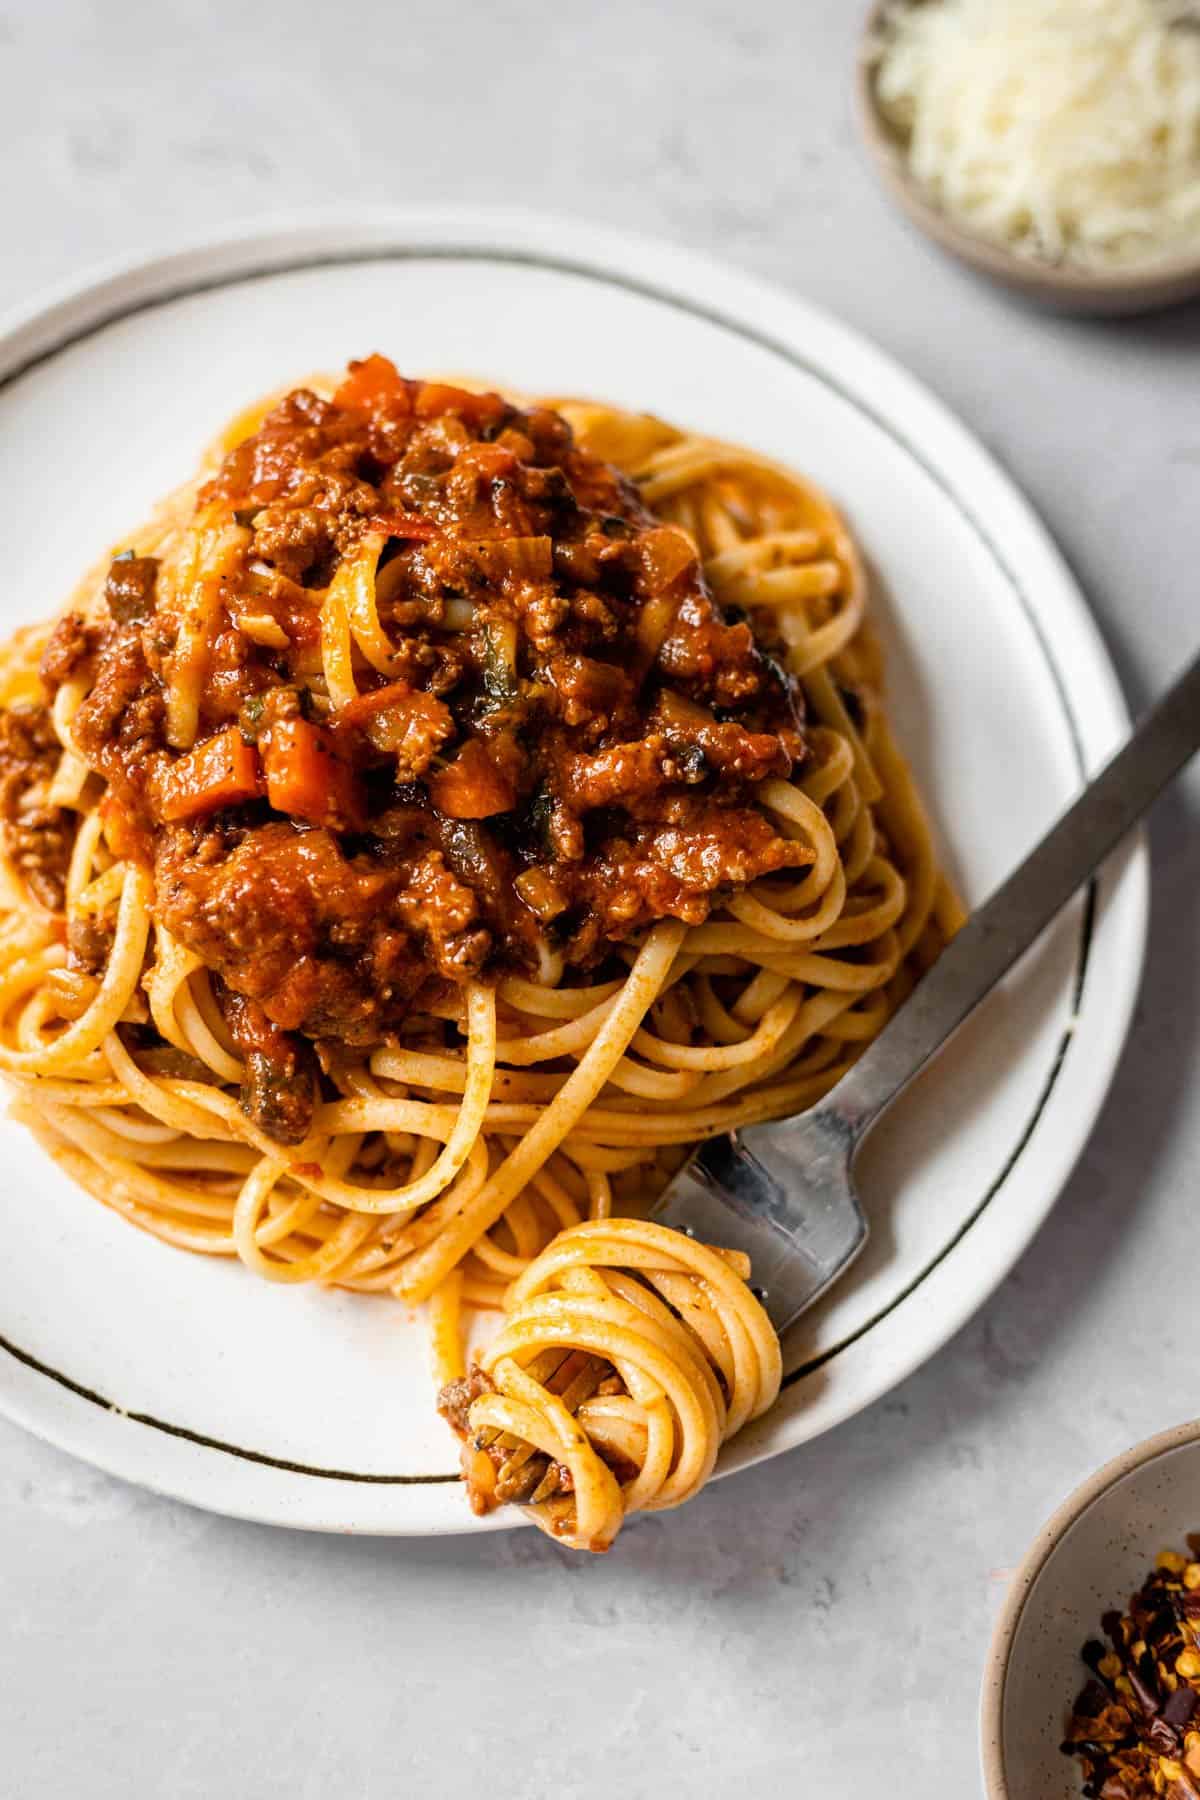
[{"x": 447, "y": 1170}]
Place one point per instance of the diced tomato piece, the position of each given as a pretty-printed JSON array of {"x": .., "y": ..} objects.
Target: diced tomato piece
[
  {"x": 403, "y": 525},
  {"x": 435, "y": 397},
  {"x": 222, "y": 771},
  {"x": 472, "y": 786},
  {"x": 306, "y": 780},
  {"x": 373, "y": 383}
]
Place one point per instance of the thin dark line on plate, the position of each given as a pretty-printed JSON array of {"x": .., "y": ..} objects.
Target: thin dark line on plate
[
  {"x": 764, "y": 341},
  {"x": 818, "y": 1362},
  {"x": 211, "y": 1443}
]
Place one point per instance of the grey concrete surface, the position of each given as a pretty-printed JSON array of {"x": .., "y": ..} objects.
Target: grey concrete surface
[{"x": 817, "y": 1626}]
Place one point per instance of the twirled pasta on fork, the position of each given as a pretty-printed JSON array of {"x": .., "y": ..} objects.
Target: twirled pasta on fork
[{"x": 626, "y": 1349}]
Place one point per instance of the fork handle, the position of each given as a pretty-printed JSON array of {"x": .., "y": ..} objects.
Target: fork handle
[{"x": 1006, "y": 925}]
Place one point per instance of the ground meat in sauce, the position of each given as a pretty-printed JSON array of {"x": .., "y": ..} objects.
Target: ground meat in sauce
[
  {"x": 280, "y": 1087},
  {"x": 566, "y": 746},
  {"x": 37, "y": 837},
  {"x": 493, "y": 1476},
  {"x": 129, "y": 588},
  {"x": 488, "y": 1483}
]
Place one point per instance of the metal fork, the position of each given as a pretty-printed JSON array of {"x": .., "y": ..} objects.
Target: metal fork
[{"x": 784, "y": 1192}]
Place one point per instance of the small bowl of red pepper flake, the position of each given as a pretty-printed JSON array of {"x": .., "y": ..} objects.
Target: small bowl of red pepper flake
[
  {"x": 1135, "y": 1725},
  {"x": 1092, "y": 1684}
]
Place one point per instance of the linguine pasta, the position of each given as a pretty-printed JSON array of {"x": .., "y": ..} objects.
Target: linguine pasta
[{"x": 482, "y": 1152}]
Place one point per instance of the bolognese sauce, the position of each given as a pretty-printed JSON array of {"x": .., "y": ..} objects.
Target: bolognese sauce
[{"x": 559, "y": 743}]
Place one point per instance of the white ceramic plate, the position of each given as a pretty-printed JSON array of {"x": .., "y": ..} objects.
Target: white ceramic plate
[{"x": 315, "y": 1409}]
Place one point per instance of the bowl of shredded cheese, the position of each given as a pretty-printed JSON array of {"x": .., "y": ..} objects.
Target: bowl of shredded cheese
[{"x": 1054, "y": 144}]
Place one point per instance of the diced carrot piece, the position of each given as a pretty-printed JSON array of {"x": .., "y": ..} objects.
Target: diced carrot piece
[
  {"x": 222, "y": 771},
  {"x": 434, "y": 397},
  {"x": 306, "y": 780},
  {"x": 397, "y": 695},
  {"x": 406, "y": 721},
  {"x": 373, "y": 383},
  {"x": 472, "y": 786},
  {"x": 364, "y": 706},
  {"x": 403, "y": 525}
]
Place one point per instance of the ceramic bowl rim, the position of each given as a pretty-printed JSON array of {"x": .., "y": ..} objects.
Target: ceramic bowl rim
[
  {"x": 1049, "y": 1538},
  {"x": 1135, "y": 288}
]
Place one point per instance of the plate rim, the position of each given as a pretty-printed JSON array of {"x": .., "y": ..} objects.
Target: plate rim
[{"x": 45, "y": 325}]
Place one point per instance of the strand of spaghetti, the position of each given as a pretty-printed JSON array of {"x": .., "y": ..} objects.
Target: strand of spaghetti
[
  {"x": 206, "y": 1199},
  {"x": 563, "y": 1040},
  {"x": 765, "y": 552},
  {"x": 641, "y": 1244},
  {"x": 708, "y": 1058},
  {"x": 412, "y": 1233},
  {"x": 865, "y": 921},
  {"x": 422, "y": 1273},
  {"x": 212, "y": 550},
  {"x": 172, "y": 1110},
  {"x": 87, "y": 1094},
  {"x": 652, "y": 1084},
  {"x": 83, "y": 854},
  {"x": 25, "y": 929},
  {"x": 830, "y": 766},
  {"x": 607, "y": 1159},
  {"x": 748, "y": 910},
  {"x": 197, "y": 1031},
  {"x": 27, "y": 972},
  {"x": 755, "y": 1000},
  {"x": 527, "y": 1410},
  {"x": 650, "y": 1358},
  {"x": 337, "y": 652},
  {"x": 467, "y": 1124},
  {"x": 130, "y": 1126},
  {"x": 604, "y": 1125},
  {"x": 361, "y": 610},
  {"x": 124, "y": 1185},
  {"x": 445, "y": 1329},
  {"x": 803, "y": 817},
  {"x": 383, "y": 1113},
  {"x": 100, "y": 893},
  {"x": 113, "y": 996},
  {"x": 72, "y": 772},
  {"x": 553, "y": 1003},
  {"x": 319, "y": 1264},
  {"x": 168, "y": 972}
]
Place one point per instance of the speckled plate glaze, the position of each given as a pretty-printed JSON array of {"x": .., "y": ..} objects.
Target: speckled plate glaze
[{"x": 314, "y": 1409}]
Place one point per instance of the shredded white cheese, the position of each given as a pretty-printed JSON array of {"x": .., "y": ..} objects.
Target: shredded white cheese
[{"x": 1066, "y": 129}]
